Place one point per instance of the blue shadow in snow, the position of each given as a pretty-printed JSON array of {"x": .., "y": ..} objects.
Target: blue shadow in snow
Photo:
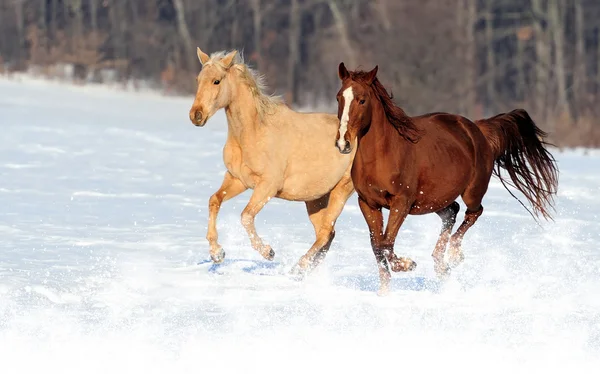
[
  {"x": 251, "y": 267},
  {"x": 368, "y": 283},
  {"x": 371, "y": 283}
]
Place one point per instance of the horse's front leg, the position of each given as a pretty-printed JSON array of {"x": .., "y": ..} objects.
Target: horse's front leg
[
  {"x": 263, "y": 192},
  {"x": 398, "y": 211},
  {"x": 374, "y": 219},
  {"x": 325, "y": 226},
  {"x": 230, "y": 188}
]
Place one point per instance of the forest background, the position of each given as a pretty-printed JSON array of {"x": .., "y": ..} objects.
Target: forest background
[{"x": 473, "y": 57}]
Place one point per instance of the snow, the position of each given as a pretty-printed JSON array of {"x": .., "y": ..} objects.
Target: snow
[{"x": 104, "y": 267}]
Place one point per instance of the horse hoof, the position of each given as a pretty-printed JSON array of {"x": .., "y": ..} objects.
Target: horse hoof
[
  {"x": 268, "y": 253},
  {"x": 383, "y": 292},
  {"x": 456, "y": 260},
  {"x": 443, "y": 274},
  {"x": 403, "y": 264},
  {"x": 218, "y": 256},
  {"x": 297, "y": 273}
]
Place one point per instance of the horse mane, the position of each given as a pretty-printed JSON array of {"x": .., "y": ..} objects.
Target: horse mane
[
  {"x": 395, "y": 115},
  {"x": 255, "y": 81}
]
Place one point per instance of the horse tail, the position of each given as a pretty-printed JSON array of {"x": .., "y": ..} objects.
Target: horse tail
[{"x": 519, "y": 147}]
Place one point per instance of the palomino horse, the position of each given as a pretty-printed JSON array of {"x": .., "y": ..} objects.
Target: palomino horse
[
  {"x": 272, "y": 150},
  {"x": 419, "y": 165}
]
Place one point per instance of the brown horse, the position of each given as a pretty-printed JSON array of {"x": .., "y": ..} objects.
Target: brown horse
[{"x": 419, "y": 165}]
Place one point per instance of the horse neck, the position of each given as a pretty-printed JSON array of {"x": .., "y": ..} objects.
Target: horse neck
[
  {"x": 242, "y": 114},
  {"x": 380, "y": 131}
]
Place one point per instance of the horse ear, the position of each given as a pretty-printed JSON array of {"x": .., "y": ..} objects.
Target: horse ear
[
  {"x": 372, "y": 74},
  {"x": 203, "y": 57},
  {"x": 227, "y": 61},
  {"x": 342, "y": 71}
]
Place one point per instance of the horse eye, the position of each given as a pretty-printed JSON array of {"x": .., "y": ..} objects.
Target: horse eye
[
  {"x": 361, "y": 102},
  {"x": 217, "y": 81}
]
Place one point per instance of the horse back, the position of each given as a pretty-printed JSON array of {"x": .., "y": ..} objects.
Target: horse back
[{"x": 454, "y": 132}]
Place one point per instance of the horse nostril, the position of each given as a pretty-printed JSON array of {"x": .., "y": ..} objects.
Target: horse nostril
[
  {"x": 198, "y": 116},
  {"x": 347, "y": 149}
]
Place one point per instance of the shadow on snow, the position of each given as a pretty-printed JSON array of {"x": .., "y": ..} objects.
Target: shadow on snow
[{"x": 367, "y": 283}]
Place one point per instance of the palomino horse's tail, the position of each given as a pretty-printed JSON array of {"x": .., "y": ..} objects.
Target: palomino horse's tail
[{"x": 519, "y": 147}]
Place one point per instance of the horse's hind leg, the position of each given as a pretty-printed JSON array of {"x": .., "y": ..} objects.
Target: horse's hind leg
[
  {"x": 472, "y": 198},
  {"x": 455, "y": 253},
  {"x": 316, "y": 210},
  {"x": 448, "y": 216},
  {"x": 231, "y": 187},
  {"x": 324, "y": 222}
]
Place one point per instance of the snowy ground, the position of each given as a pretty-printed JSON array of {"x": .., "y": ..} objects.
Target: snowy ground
[{"x": 104, "y": 266}]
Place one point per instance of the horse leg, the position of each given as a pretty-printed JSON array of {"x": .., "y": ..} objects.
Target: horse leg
[
  {"x": 455, "y": 253},
  {"x": 316, "y": 211},
  {"x": 325, "y": 228},
  {"x": 374, "y": 219},
  {"x": 230, "y": 188},
  {"x": 448, "y": 216},
  {"x": 398, "y": 211},
  {"x": 472, "y": 197},
  {"x": 263, "y": 192}
]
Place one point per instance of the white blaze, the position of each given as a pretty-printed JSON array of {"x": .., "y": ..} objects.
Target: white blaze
[{"x": 348, "y": 97}]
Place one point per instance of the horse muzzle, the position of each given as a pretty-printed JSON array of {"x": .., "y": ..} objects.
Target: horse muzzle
[
  {"x": 346, "y": 147},
  {"x": 197, "y": 118}
]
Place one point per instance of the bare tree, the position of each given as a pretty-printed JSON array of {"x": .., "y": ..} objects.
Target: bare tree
[
  {"x": 490, "y": 57},
  {"x": 555, "y": 16},
  {"x": 466, "y": 15},
  {"x": 184, "y": 33},
  {"x": 294, "y": 35},
  {"x": 580, "y": 58},
  {"x": 542, "y": 58},
  {"x": 93, "y": 15},
  {"x": 598, "y": 63},
  {"x": 20, "y": 20},
  {"x": 342, "y": 28},
  {"x": 452, "y": 55},
  {"x": 257, "y": 23}
]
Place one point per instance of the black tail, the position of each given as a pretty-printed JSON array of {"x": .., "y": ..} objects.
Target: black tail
[{"x": 520, "y": 148}]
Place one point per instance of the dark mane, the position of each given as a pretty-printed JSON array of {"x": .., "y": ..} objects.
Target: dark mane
[{"x": 395, "y": 115}]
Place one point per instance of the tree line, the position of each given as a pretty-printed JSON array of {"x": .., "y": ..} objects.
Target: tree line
[{"x": 473, "y": 57}]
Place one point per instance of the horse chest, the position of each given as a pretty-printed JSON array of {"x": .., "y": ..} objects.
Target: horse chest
[
  {"x": 372, "y": 189},
  {"x": 379, "y": 183}
]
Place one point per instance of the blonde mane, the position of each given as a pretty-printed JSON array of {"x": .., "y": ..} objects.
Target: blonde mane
[{"x": 255, "y": 81}]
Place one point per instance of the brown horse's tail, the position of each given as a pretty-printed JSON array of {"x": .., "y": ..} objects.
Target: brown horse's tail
[{"x": 519, "y": 147}]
